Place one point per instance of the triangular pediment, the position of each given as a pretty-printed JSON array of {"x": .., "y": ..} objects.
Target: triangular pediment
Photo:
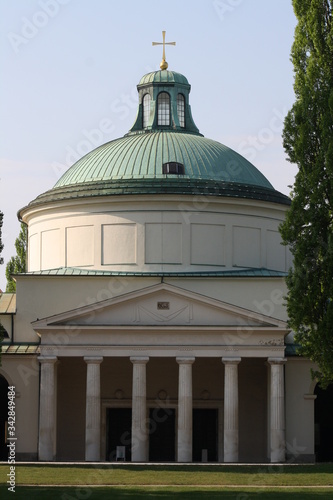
[{"x": 161, "y": 306}]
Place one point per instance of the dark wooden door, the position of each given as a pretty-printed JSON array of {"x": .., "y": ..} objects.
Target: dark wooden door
[
  {"x": 205, "y": 434},
  {"x": 3, "y": 417},
  {"x": 324, "y": 424},
  {"x": 162, "y": 435},
  {"x": 119, "y": 431}
]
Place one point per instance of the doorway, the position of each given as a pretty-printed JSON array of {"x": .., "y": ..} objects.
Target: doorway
[
  {"x": 323, "y": 424},
  {"x": 205, "y": 435},
  {"x": 3, "y": 417},
  {"x": 162, "y": 434},
  {"x": 119, "y": 432}
]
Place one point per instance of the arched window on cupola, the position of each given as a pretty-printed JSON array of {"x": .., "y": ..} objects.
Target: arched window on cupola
[
  {"x": 181, "y": 109},
  {"x": 146, "y": 110},
  {"x": 163, "y": 109}
]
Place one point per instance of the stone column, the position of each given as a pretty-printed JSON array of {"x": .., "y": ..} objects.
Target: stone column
[
  {"x": 47, "y": 409},
  {"x": 139, "y": 410},
  {"x": 93, "y": 409},
  {"x": 277, "y": 417},
  {"x": 231, "y": 409},
  {"x": 185, "y": 409}
]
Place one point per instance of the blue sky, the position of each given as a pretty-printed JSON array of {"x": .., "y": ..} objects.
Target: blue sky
[{"x": 70, "y": 69}]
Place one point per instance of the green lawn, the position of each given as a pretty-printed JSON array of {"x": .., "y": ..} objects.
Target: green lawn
[
  {"x": 165, "y": 493},
  {"x": 170, "y": 482}
]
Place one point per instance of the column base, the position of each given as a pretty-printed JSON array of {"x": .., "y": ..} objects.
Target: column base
[
  {"x": 92, "y": 445},
  {"x": 139, "y": 453},
  {"x": 231, "y": 446},
  {"x": 184, "y": 454},
  {"x": 278, "y": 450}
]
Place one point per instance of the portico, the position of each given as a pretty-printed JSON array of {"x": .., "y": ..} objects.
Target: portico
[{"x": 161, "y": 382}]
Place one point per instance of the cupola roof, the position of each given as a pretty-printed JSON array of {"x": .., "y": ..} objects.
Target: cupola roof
[{"x": 164, "y": 76}]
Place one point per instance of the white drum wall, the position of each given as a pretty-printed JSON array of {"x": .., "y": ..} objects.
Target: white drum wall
[{"x": 144, "y": 234}]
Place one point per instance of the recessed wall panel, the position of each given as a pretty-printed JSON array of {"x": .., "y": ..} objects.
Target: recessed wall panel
[
  {"x": 276, "y": 252},
  {"x": 50, "y": 249},
  {"x": 163, "y": 243},
  {"x": 33, "y": 252},
  {"x": 207, "y": 244},
  {"x": 80, "y": 246},
  {"x": 118, "y": 244},
  {"x": 246, "y": 247}
]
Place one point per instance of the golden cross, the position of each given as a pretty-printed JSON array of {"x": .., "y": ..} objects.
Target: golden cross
[{"x": 164, "y": 64}]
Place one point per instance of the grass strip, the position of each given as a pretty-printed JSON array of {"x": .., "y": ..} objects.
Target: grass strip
[
  {"x": 169, "y": 493},
  {"x": 296, "y": 475}
]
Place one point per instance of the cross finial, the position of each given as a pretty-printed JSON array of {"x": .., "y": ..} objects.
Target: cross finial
[{"x": 164, "y": 64}]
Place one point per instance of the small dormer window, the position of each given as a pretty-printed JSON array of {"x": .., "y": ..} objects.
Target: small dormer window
[
  {"x": 181, "y": 109},
  {"x": 163, "y": 109},
  {"x": 173, "y": 167},
  {"x": 146, "y": 110}
]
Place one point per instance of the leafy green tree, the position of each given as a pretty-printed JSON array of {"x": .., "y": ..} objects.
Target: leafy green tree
[
  {"x": 1, "y": 262},
  {"x": 17, "y": 264},
  {"x": 308, "y": 228},
  {"x": 1, "y": 244}
]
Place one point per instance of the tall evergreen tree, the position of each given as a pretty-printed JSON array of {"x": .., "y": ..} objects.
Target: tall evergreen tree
[
  {"x": 1, "y": 244},
  {"x": 308, "y": 228},
  {"x": 1, "y": 262},
  {"x": 17, "y": 264}
]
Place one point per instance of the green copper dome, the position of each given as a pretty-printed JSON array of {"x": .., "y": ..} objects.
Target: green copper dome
[
  {"x": 143, "y": 155},
  {"x": 163, "y": 153}
]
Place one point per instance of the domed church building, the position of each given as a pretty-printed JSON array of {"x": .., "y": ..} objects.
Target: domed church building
[{"x": 150, "y": 325}]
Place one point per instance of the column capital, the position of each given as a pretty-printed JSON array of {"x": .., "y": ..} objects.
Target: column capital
[
  {"x": 93, "y": 359},
  {"x": 143, "y": 360},
  {"x": 47, "y": 359},
  {"x": 185, "y": 361},
  {"x": 276, "y": 361},
  {"x": 231, "y": 361}
]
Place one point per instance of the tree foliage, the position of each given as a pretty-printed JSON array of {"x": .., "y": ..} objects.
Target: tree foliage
[
  {"x": 1, "y": 262},
  {"x": 308, "y": 228},
  {"x": 17, "y": 264},
  {"x": 1, "y": 244}
]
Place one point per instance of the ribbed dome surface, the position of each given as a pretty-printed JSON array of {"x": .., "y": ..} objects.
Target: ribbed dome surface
[
  {"x": 164, "y": 76},
  {"x": 141, "y": 156}
]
